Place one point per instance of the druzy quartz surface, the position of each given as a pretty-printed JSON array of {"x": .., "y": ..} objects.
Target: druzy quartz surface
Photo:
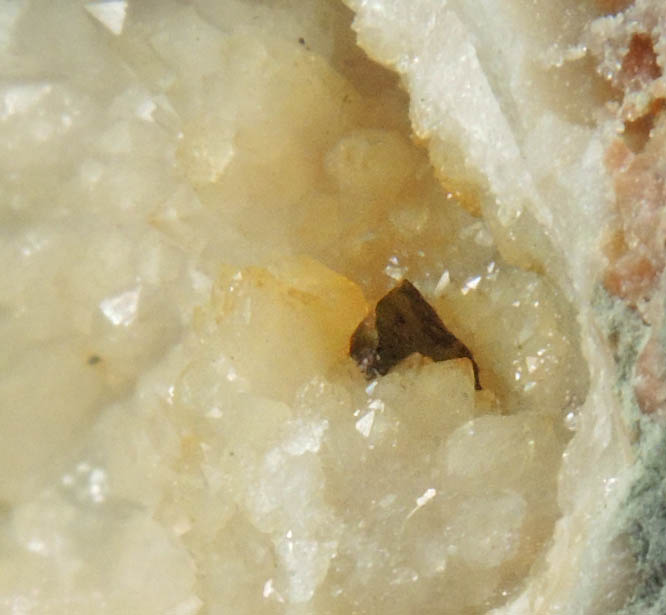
[{"x": 201, "y": 202}]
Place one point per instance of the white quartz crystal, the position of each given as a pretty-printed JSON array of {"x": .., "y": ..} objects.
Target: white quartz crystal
[{"x": 110, "y": 13}]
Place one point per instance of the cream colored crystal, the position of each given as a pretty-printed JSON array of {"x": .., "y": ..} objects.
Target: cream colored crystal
[{"x": 201, "y": 202}]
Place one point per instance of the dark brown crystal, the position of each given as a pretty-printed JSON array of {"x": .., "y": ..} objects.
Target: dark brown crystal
[{"x": 404, "y": 323}]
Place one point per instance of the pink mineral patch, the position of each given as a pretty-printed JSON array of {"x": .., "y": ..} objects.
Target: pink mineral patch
[
  {"x": 639, "y": 65},
  {"x": 636, "y": 249},
  {"x": 636, "y": 252}
]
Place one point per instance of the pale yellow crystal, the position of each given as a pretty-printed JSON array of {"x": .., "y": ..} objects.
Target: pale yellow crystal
[{"x": 193, "y": 241}]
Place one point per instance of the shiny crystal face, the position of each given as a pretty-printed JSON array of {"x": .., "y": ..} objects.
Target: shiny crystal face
[{"x": 201, "y": 203}]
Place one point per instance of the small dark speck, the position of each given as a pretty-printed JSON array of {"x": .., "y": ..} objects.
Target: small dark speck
[
  {"x": 301, "y": 41},
  {"x": 94, "y": 359}
]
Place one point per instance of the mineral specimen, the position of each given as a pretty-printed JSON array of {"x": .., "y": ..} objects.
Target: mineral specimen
[{"x": 200, "y": 201}]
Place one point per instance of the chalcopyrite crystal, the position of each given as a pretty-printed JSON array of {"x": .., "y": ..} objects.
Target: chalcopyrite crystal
[{"x": 213, "y": 212}]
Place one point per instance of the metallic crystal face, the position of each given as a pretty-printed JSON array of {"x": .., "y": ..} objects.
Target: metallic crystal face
[{"x": 404, "y": 323}]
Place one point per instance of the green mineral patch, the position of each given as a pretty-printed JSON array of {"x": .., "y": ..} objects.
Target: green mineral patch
[
  {"x": 645, "y": 520},
  {"x": 643, "y": 517}
]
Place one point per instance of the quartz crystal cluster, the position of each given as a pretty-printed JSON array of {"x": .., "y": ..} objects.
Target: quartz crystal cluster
[{"x": 201, "y": 201}]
